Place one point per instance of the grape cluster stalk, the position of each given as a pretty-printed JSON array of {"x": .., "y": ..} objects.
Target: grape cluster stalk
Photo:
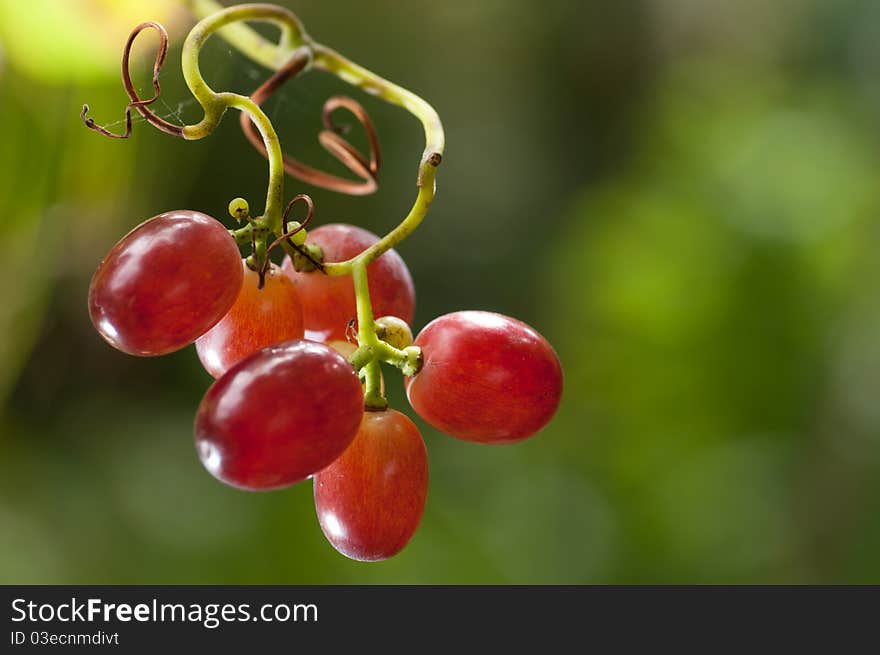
[{"x": 296, "y": 350}]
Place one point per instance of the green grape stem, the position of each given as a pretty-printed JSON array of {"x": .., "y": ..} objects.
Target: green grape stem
[{"x": 294, "y": 42}]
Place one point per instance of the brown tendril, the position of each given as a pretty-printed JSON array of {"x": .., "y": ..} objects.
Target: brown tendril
[
  {"x": 136, "y": 102},
  {"x": 254, "y": 257},
  {"x": 351, "y": 332},
  {"x": 311, "y": 205},
  {"x": 330, "y": 138},
  {"x": 286, "y": 236}
]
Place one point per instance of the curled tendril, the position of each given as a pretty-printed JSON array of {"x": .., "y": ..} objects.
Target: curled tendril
[
  {"x": 286, "y": 236},
  {"x": 136, "y": 102},
  {"x": 330, "y": 138},
  {"x": 309, "y": 202}
]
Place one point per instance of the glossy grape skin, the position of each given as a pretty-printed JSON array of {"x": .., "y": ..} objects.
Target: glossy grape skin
[
  {"x": 485, "y": 377},
  {"x": 259, "y": 318},
  {"x": 329, "y": 301},
  {"x": 279, "y": 416},
  {"x": 370, "y": 501},
  {"x": 165, "y": 283}
]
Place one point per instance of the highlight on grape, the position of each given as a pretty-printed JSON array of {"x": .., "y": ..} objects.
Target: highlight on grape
[{"x": 296, "y": 349}]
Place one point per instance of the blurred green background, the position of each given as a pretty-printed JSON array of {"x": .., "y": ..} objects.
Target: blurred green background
[{"x": 682, "y": 195}]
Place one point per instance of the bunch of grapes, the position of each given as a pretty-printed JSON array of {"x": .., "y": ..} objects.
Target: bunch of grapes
[
  {"x": 295, "y": 354},
  {"x": 285, "y": 408}
]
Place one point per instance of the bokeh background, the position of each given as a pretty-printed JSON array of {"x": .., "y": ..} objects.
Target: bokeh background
[{"x": 682, "y": 195}]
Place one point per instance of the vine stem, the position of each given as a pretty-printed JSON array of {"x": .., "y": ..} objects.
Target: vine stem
[
  {"x": 371, "y": 348},
  {"x": 331, "y": 61},
  {"x": 367, "y": 338},
  {"x": 274, "y": 56},
  {"x": 294, "y": 42},
  {"x": 215, "y": 104},
  {"x": 260, "y": 49}
]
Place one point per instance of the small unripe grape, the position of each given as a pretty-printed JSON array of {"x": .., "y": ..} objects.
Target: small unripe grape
[
  {"x": 300, "y": 237},
  {"x": 239, "y": 209},
  {"x": 394, "y": 331}
]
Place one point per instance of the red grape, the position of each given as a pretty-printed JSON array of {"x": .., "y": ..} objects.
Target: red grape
[
  {"x": 485, "y": 377},
  {"x": 370, "y": 500},
  {"x": 165, "y": 283},
  {"x": 259, "y": 317},
  {"x": 279, "y": 415},
  {"x": 329, "y": 302}
]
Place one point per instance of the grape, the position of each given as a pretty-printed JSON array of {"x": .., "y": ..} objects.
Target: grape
[
  {"x": 165, "y": 283},
  {"x": 298, "y": 238},
  {"x": 394, "y": 332},
  {"x": 259, "y": 317},
  {"x": 485, "y": 377},
  {"x": 279, "y": 416},
  {"x": 239, "y": 209},
  {"x": 370, "y": 501},
  {"x": 329, "y": 302}
]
